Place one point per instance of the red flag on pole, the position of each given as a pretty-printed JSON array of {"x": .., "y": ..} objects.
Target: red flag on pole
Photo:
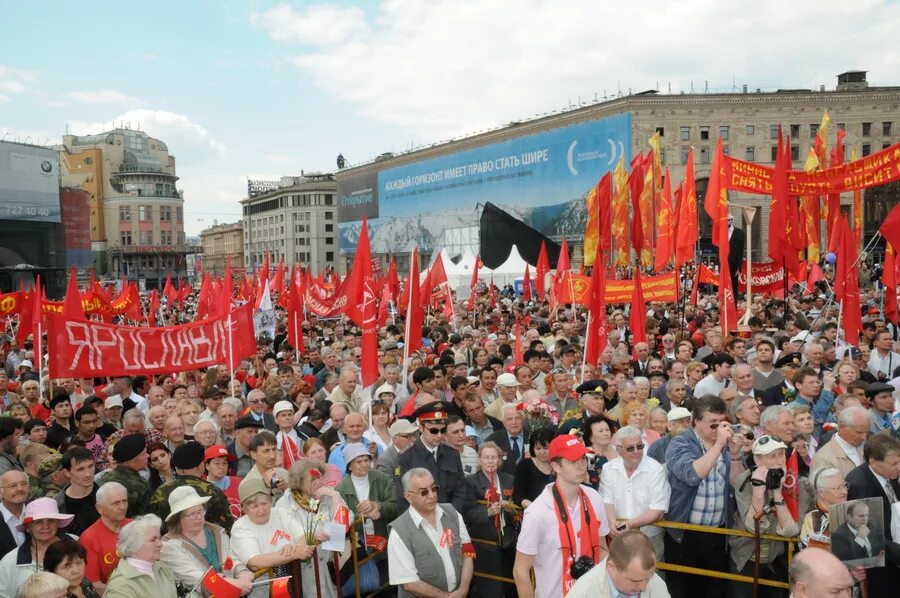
[
  {"x": 891, "y": 310},
  {"x": 153, "y": 308},
  {"x": 597, "y": 335},
  {"x": 716, "y": 206},
  {"x": 637, "y": 319},
  {"x": 393, "y": 281},
  {"x": 72, "y": 308},
  {"x": 665, "y": 241},
  {"x": 846, "y": 280},
  {"x": 473, "y": 283},
  {"x": 518, "y": 351},
  {"x": 218, "y": 586},
  {"x": 541, "y": 271},
  {"x": 526, "y": 286},
  {"x": 295, "y": 315},
  {"x": 415, "y": 312},
  {"x": 361, "y": 304},
  {"x": 890, "y": 227},
  {"x": 687, "y": 232}
]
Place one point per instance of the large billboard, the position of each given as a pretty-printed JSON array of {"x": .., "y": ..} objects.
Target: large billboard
[
  {"x": 76, "y": 221},
  {"x": 541, "y": 178},
  {"x": 29, "y": 183}
]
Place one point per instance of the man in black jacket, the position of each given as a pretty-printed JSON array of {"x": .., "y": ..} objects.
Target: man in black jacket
[
  {"x": 857, "y": 538},
  {"x": 430, "y": 452}
]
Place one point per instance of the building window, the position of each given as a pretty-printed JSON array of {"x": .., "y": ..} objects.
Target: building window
[
  {"x": 329, "y": 215},
  {"x": 774, "y": 153},
  {"x": 813, "y": 131},
  {"x": 842, "y": 126},
  {"x": 329, "y": 256},
  {"x": 704, "y": 155},
  {"x": 685, "y": 133},
  {"x": 750, "y": 130},
  {"x": 125, "y": 238},
  {"x": 795, "y": 131},
  {"x": 329, "y": 200},
  {"x": 165, "y": 213},
  {"x": 685, "y": 152},
  {"x": 146, "y": 237},
  {"x": 145, "y": 213},
  {"x": 329, "y": 228},
  {"x": 704, "y": 133},
  {"x": 885, "y": 145},
  {"x": 723, "y": 133},
  {"x": 750, "y": 154},
  {"x": 329, "y": 240},
  {"x": 124, "y": 213},
  {"x": 866, "y": 129},
  {"x": 886, "y": 129},
  {"x": 179, "y": 214},
  {"x": 866, "y": 149},
  {"x": 773, "y": 131},
  {"x": 795, "y": 153}
]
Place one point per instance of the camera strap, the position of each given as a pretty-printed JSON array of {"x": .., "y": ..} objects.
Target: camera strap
[{"x": 588, "y": 534}]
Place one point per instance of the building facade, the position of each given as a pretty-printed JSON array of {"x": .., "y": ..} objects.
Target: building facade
[
  {"x": 294, "y": 219},
  {"x": 137, "y": 212},
  {"x": 746, "y": 121},
  {"x": 220, "y": 242}
]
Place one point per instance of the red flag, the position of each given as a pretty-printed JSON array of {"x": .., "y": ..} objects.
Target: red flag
[
  {"x": 474, "y": 282},
  {"x": 636, "y": 185},
  {"x": 597, "y": 335},
  {"x": 518, "y": 352},
  {"x": 890, "y": 227},
  {"x": 665, "y": 240},
  {"x": 891, "y": 309},
  {"x": 435, "y": 283},
  {"x": 218, "y": 586},
  {"x": 526, "y": 285},
  {"x": 814, "y": 275},
  {"x": 563, "y": 264},
  {"x": 834, "y": 199},
  {"x": 153, "y": 308},
  {"x": 204, "y": 298},
  {"x": 383, "y": 305},
  {"x": 492, "y": 294},
  {"x": 27, "y": 316},
  {"x": 295, "y": 315},
  {"x": 361, "y": 304},
  {"x": 687, "y": 232},
  {"x": 289, "y": 452},
  {"x": 846, "y": 282},
  {"x": 415, "y": 312},
  {"x": 716, "y": 206},
  {"x": 393, "y": 281},
  {"x": 280, "y": 588},
  {"x": 342, "y": 516},
  {"x": 169, "y": 292},
  {"x": 637, "y": 319},
  {"x": 791, "y": 487},
  {"x": 541, "y": 271},
  {"x": 72, "y": 308},
  {"x": 278, "y": 280}
]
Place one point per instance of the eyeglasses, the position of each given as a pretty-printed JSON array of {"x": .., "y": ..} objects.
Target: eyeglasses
[
  {"x": 630, "y": 449},
  {"x": 839, "y": 487},
  {"x": 437, "y": 431},
  {"x": 424, "y": 492},
  {"x": 256, "y": 401},
  {"x": 195, "y": 515}
]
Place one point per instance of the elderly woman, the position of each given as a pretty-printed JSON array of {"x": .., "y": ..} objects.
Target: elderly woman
[
  {"x": 66, "y": 558},
  {"x": 193, "y": 545},
  {"x": 489, "y": 514},
  {"x": 140, "y": 572},
  {"x": 206, "y": 431},
  {"x": 311, "y": 503},
  {"x": 636, "y": 414},
  {"x": 598, "y": 436},
  {"x": 41, "y": 524},
  {"x": 44, "y": 584},
  {"x": 314, "y": 450},
  {"x": 267, "y": 537}
]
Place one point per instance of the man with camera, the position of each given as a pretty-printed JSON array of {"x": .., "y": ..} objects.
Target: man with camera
[
  {"x": 564, "y": 530},
  {"x": 760, "y": 498},
  {"x": 883, "y": 360}
]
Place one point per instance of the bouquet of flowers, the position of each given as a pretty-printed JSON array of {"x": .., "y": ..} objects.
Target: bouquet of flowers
[{"x": 539, "y": 413}]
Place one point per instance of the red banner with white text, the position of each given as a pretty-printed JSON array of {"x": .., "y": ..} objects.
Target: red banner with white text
[
  {"x": 80, "y": 348},
  {"x": 768, "y": 277},
  {"x": 655, "y": 288}
]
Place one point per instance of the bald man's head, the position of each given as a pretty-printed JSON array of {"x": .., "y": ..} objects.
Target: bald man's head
[
  {"x": 14, "y": 488},
  {"x": 816, "y": 572}
]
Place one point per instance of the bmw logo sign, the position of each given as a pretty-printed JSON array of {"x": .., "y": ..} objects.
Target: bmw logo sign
[{"x": 46, "y": 166}]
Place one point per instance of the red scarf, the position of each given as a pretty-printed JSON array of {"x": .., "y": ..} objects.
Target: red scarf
[{"x": 589, "y": 535}]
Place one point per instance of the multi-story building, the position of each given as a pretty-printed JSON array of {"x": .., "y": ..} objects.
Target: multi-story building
[
  {"x": 137, "y": 213},
  {"x": 747, "y": 121},
  {"x": 294, "y": 219},
  {"x": 220, "y": 242}
]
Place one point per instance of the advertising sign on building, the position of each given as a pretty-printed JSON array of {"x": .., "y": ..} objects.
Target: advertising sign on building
[
  {"x": 29, "y": 183},
  {"x": 541, "y": 178},
  {"x": 76, "y": 220}
]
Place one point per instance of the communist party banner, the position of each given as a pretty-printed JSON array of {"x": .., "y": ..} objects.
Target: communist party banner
[
  {"x": 91, "y": 303},
  {"x": 768, "y": 277},
  {"x": 11, "y": 303},
  {"x": 81, "y": 348},
  {"x": 655, "y": 288},
  {"x": 873, "y": 170}
]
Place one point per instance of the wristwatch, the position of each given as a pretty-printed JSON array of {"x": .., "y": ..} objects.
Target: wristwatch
[{"x": 778, "y": 503}]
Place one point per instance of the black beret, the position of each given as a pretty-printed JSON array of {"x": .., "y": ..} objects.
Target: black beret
[
  {"x": 877, "y": 388},
  {"x": 129, "y": 447},
  {"x": 188, "y": 456},
  {"x": 592, "y": 386},
  {"x": 248, "y": 421},
  {"x": 788, "y": 359}
]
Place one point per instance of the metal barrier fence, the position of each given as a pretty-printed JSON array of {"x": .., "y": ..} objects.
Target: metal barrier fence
[{"x": 663, "y": 566}]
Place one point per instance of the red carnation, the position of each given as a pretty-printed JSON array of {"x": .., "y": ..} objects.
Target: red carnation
[
  {"x": 229, "y": 564},
  {"x": 315, "y": 474}
]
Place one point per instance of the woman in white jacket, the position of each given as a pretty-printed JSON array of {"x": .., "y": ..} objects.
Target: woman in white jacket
[{"x": 193, "y": 545}]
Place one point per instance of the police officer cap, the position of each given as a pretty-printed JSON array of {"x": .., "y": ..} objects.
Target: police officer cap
[
  {"x": 788, "y": 359},
  {"x": 434, "y": 411},
  {"x": 248, "y": 421},
  {"x": 188, "y": 455},
  {"x": 129, "y": 447},
  {"x": 597, "y": 387},
  {"x": 877, "y": 388}
]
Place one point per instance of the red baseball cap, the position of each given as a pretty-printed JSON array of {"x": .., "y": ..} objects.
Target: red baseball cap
[
  {"x": 218, "y": 450},
  {"x": 568, "y": 447}
]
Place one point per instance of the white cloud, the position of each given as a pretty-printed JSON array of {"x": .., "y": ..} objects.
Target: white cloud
[
  {"x": 99, "y": 96},
  {"x": 444, "y": 68},
  {"x": 318, "y": 25},
  {"x": 16, "y": 80},
  {"x": 185, "y": 138}
]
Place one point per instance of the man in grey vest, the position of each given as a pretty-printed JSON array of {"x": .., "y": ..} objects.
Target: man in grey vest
[{"x": 429, "y": 549}]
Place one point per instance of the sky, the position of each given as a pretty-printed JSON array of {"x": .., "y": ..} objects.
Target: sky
[{"x": 261, "y": 89}]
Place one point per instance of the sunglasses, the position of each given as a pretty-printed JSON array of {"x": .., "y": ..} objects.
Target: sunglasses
[
  {"x": 424, "y": 492},
  {"x": 631, "y": 449},
  {"x": 437, "y": 430}
]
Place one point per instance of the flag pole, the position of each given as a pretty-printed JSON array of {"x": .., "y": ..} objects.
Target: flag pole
[
  {"x": 404, "y": 375},
  {"x": 587, "y": 339},
  {"x": 230, "y": 350}
]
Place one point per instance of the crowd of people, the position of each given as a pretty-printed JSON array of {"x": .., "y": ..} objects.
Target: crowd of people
[{"x": 498, "y": 466}]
